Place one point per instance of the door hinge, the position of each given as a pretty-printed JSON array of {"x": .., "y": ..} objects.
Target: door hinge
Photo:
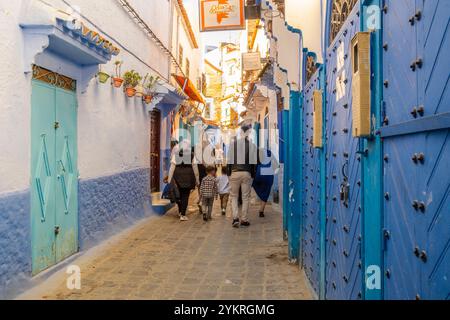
[
  {"x": 56, "y": 125},
  {"x": 383, "y": 109}
]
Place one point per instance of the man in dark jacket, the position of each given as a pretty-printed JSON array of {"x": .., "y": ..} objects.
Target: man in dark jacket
[{"x": 241, "y": 168}]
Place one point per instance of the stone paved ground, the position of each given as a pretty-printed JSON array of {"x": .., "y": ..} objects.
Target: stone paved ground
[{"x": 164, "y": 258}]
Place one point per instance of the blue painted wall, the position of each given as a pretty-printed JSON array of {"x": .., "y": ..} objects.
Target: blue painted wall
[
  {"x": 15, "y": 243},
  {"x": 110, "y": 204}
]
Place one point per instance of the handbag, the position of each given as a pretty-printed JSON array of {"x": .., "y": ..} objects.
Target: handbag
[{"x": 171, "y": 192}]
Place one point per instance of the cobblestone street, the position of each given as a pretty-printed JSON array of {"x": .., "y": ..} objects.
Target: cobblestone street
[{"x": 163, "y": 258}]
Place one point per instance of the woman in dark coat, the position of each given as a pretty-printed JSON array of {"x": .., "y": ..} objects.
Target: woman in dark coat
[
  {"x": 185, "y": 174},
  {"x": 263, "y": 182}
]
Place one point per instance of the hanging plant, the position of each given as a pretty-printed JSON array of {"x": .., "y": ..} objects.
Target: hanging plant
[
  {"x": 132, "y": 79},
  {"x": 102, "y": 76},
  {"x": 149, "y": 89},
  {"x": 117, "y": 80}
]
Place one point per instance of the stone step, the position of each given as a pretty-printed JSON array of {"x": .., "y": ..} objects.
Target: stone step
[
  {"x": 160, "y": 206},
  {"x": 156, "y": 196}
]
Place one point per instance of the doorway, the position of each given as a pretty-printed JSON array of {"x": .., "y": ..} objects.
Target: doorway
[
  {"x": 54, "y": 171},
  {"x": 155, "y": 147}
]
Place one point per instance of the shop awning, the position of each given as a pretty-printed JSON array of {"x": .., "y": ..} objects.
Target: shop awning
[{"x": 189, "y": 88}]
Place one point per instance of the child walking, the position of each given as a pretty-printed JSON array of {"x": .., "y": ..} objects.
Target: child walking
[
  {"x": 208, "y": 191},
  {"x": 224, "y": 190}
]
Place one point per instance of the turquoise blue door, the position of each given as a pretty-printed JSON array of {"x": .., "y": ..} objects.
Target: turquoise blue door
[
  {"x": 295, "y": 191},
  {"x": 54, "y": 175},
  {"x": 66, "y": 190}
]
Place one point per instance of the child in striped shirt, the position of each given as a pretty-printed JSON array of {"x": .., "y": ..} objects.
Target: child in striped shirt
[{"x": 208, "y": 191}]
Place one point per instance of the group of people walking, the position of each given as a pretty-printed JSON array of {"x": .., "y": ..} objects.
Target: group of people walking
[{"x": 233, "y": 180}]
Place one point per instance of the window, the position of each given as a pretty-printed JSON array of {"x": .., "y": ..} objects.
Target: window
[
  {"x": 341, "y": 9},
  {"x": 188, "y": 67}
]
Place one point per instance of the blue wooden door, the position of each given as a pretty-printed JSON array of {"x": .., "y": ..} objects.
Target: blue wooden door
[
  {"x": 66, "y": 191},
  {"x": 416, "y": 171},
  {"x": 43, "y": 176},
  {"x": 434, "y": 52},
  {"x": 311, "y": 189},
  {"x": 295, "y": 176},
  {"x": 400, "y": 53},
  {"x": 434, "y": 95},
  {"x": 54, "y": 175},
  {"x": 343, "y": 230},
  {"x": 400, "y": 96}
]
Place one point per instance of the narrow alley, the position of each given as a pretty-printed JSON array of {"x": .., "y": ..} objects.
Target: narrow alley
[
  {"x": 314, "y": 133},
  {"x": 163, "y": 259}
]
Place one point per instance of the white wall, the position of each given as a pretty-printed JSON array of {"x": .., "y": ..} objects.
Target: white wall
[
  {"x": 113, "y": 130},
  {"x": 181, "y": 37},
  {"x": 262, "y": 43},
  {"x": 306, "y": 15},
  {"x": 15, "y": 103}
]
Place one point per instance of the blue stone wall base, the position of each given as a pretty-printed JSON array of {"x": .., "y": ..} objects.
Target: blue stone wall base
[{"x": 107, "y": 206}]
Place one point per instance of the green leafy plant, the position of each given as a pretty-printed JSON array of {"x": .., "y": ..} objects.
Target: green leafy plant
[
  {"x": 149, "y": 88},
  {"x": 152, "y": 81},
  {"x": 132, "y": 78}
]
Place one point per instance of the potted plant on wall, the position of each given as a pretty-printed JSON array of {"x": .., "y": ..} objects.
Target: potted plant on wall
[
  {"x": 149, "y": 89},
  {"x": 132, "y": 79},
  {"x": 102, "y": 76},
  {"x": 140, "y": 87},
  {"x": 117, "y": 80}
]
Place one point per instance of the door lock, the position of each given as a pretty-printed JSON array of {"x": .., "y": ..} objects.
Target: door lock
[
  {"x": 345, "y": 192},
  {"x": 344, "y": 188},
  {"x": 57, "y": 230}
]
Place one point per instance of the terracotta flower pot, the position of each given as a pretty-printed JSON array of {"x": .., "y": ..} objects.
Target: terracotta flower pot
[
  {"x": 130, "y": 91},
  {"x": 117, "y": 82},
  {"x": 147, "y": 98},
  {"x": 103, "y": 77},
  {"x": 139, "y": 91}
]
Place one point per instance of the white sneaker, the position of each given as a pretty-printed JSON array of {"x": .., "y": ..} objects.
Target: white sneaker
[{"x": 184, "y": 218}]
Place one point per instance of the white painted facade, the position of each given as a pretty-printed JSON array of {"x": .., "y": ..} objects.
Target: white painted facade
[
  {"x": 107, "y": 120},
  {"x": 309, "y": 17},
  {"x": 180, "y": 37}
]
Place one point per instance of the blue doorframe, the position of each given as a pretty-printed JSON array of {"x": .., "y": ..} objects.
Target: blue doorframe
[
  {"x": 295, "y": 192},
  {"x": 323, "y": 186},
  {"x": 372, "y": 164},
  {"x": 285, "y": 119}
]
